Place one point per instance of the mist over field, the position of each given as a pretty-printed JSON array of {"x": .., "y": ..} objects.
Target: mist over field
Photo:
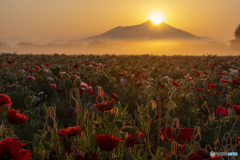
[
  {"x": 125, "y": 47},
  {"x": 144, "y": 38}
]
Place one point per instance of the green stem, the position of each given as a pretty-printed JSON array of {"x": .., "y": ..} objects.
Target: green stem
[
  {"x": 4, "y": 118},
  {"x": 11, "y": 131},
  {"x": 104, "y": 155}
]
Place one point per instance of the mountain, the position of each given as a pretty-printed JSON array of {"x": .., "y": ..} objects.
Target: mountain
[{"x": 144, "y": 32}]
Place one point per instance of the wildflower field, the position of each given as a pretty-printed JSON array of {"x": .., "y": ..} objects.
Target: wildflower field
[{"x": 109, "y": 107}]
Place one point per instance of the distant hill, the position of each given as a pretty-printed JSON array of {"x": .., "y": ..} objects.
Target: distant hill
[
  {"x": 13, "y": 41},
  {"x": 144, "y": 32}
]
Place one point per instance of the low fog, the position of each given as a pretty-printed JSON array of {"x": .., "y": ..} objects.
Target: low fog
[{"x": 125, "y": 47}]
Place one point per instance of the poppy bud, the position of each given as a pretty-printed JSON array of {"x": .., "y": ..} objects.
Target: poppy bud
[
  {"x": 73, "y": 102},
  {"x": 224, "y": 142},
  {"x": 100, "y": 99},
  {"x": 176, "y": 132},
  {"x": 119, "y": 123},
  {"x": 48, "y": 136},
  {"x": 153, "y": 113},
  {"x": 50, "y": 121},
  {"x": 126, "y": 128},
  {"x": 77, "y": 82},
  {"x": 171, "y": 113},
  {"x": 173, "y": 157},
  {"x": 197, "y": 138},
  {"x": 111, "y": 117}
]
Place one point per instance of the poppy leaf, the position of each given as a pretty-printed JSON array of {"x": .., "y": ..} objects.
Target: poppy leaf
[
  {"x": 93, "y": 143},
  {"x": 45, "y": 143},
  {"x": 139, "y": 154},
  {"x": 45, "y": 108}
]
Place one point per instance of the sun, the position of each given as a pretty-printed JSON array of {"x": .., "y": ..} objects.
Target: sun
[{"x": 156, "y": 18}]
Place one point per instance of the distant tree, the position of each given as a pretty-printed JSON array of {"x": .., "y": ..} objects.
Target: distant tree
[
  {"x": 237, "y": 33},
  {"x": 235, "y": 44}
]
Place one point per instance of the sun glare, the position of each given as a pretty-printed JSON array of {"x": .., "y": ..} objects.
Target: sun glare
[{"x": 156, "y": 18}]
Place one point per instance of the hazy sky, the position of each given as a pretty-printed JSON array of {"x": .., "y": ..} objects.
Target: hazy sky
[{"x": 47, "y": 20}]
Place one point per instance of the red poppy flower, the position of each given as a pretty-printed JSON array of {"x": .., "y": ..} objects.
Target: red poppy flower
[
  {"x": 199, "y": 90},
  {"x": 138, "y": 72},
  {"x": 106, "y": 106},
  {"x": 53, "y": 85},
  {"x": 184, "y": 135},
  {"x": 9, "y": 62},
  {"x": 134, "y": 139},
  {"x": 175, "y": 83},
  {"x": 197, "y": 74},
  {"x": 15, "y": 117},
  {"x": 236, "y": 108},
  {"x": 144, "y": 77},
  {"x": 157, "y": 116},
  {"x": 202, "y": 155},
  {"x": 114, "y": 96},
  {"x": 220, "y": 75},
  {"x": 222, "y": 111},
  {"x": 139, "y": 84},
  {"x": 91, "y": 83},
  {"x": 47, "y": 65},
  {"x": 25, "y": 154},
  {"x": 94, "y": 156},
  {"x": 218, "y": 92},
  {"x": 30, "y": 78},
  {"x": 238, "y": 139},
  {"x": 112, "y": 142},
  {"x": 224, "y": 81},
  {"x": 187, "y": 76},
  {"x": 211, "y": 86},
  {"x": 91, "y": 92},
  {"x": 60, "y": 90},
  {"x": 121, "y": 74},
  {"x": 236, "y": 81},
  {"x": 228, "y": 104},
  {"x": 70, "y": 131},
  {"x": 75, "y": 66},
  {"x": 5, "y": 100},
  {"x": 10, "y": 149}
]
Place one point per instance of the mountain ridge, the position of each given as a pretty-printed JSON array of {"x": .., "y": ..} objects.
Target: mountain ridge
[{"x": 146, "y": 31}]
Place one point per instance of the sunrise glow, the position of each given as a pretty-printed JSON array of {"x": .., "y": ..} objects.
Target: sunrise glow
[{"x": 156, "y": 18}]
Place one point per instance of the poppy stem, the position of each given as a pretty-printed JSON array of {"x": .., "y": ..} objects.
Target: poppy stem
[
  {"x": 104, "y": 155},
  {"x": 11, "y": 131},
  {"x": 4, "y": 118}
]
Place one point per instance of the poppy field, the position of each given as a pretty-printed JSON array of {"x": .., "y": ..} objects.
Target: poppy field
[{"x": 118, "y": 107}]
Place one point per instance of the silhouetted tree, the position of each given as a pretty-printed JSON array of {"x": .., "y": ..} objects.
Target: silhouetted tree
[
  {"x": 235, "y": 44},
  {"x": 237, "y": 33}
]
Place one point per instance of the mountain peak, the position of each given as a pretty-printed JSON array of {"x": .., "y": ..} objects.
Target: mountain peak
[
  {"x": 150, "y": 22},
  {"x": 146, "y": 31}
]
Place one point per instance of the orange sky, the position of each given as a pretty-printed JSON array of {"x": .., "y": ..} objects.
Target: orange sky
[{"x": 47, "y": 20}]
